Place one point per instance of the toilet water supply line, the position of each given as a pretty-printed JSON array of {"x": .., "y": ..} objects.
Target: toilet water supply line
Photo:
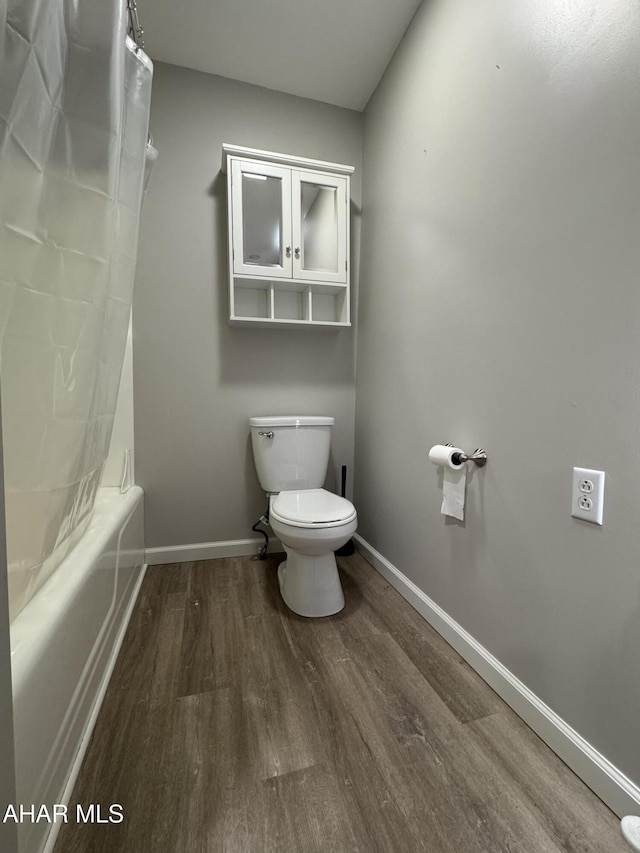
[
  {"x": 262, "y": 550},
  {"x": 135, "y": 30}
]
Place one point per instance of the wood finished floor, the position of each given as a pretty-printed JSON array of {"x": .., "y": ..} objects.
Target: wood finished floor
[{"x": 233, "y": 725}]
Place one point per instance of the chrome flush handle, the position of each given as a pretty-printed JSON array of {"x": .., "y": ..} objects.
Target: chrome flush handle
[{"x": 266, "y": 434}]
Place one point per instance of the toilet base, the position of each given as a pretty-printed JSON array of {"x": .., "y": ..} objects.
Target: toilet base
[{"x": 310, "y": 586}]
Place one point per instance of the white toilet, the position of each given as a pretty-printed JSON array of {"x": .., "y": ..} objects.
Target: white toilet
[{"x": 291, "y": 455}]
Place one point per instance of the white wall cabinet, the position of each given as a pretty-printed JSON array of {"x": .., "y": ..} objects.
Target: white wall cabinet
[{"x": 288, "y": 240}]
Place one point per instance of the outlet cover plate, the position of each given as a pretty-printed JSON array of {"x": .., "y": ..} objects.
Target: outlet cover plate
[{"x": 587, "y": 495}]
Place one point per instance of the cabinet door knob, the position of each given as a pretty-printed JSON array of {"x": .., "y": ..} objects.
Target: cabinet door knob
[
  {"x": 288, "y": 251},
  {"x": 297, "y": 251}
]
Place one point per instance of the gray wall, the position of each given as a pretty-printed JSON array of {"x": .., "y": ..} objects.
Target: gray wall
[
  {"x": 500, "y": 307},
  {"x": 8, "y": 831},
  {"x": 196, "y": 380}
]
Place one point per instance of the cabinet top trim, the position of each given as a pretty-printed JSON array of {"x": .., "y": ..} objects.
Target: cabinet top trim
[{"x": 284, "y": 159}]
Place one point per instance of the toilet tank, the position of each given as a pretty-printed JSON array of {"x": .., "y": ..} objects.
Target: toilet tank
[{"x": 292, "y": 452}]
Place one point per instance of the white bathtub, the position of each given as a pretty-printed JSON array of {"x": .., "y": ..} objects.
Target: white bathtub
[{"x": 63, "y": 648}]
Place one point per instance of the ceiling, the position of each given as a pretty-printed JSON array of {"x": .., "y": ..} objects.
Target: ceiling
[{"x": 329, "y": 50}]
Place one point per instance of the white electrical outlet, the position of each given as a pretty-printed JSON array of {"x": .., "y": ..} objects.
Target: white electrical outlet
[{"x": 587, "y": 495}]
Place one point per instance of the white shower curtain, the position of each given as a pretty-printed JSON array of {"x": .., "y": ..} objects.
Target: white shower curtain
[{"x": 74, "y": 108}]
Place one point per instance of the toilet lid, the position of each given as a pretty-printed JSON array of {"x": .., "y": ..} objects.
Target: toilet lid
[{"x": 312, "y": 506}]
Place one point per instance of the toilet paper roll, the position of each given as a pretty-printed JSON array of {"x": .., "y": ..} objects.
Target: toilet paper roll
[
  {"x": 440, "y": 454},
  {"x": 454, "y": 482}
]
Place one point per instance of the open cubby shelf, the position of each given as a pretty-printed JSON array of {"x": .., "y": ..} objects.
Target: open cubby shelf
[{"x": 283, "y": 304}]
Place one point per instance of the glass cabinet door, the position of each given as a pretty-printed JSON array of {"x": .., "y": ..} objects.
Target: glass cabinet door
[
  {"x": 319, "y": 216},
  {"x": 261, "y": 219}
]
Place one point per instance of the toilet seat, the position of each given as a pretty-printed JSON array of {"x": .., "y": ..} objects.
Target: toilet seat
[{"x": 311, "y": 508}]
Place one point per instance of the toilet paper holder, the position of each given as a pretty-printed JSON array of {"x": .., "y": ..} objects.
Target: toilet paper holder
[{"x": 479, "y": 456}]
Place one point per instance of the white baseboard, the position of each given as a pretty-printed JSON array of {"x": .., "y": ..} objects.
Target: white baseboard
[
  {"x": 207, "y": 551},
  {"x": 613, "y": 787}
]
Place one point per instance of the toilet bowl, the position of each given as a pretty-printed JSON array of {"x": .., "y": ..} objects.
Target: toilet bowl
[
  {"x": 291, "y": 455},
  {"x": 311, "y": 525}
]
